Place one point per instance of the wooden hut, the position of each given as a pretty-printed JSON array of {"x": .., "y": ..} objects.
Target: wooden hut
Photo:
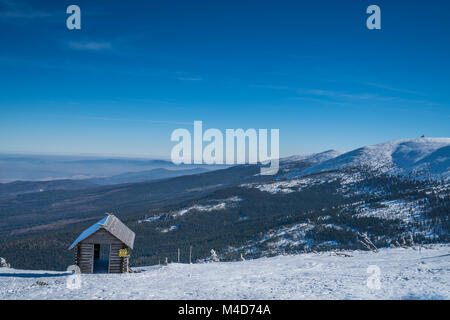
[{"x": 104, "y": 247}]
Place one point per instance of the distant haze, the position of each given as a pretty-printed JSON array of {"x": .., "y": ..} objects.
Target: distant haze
[{"x": 33, "y": 168}]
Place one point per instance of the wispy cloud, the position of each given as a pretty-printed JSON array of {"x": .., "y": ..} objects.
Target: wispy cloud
[
  {"x": 349, "y": 97},
  {"x": 90, "y": 45},
  {"x": 270, "y": 86},
  {"x": 318, "y": 100},
  {"x": 14, "y": 10},
  {"x": 345, "y": 97},
  {"x": 389, "y": 88},
  {"x": 25, "y": 15},
  {"x": 190, "y": 78},
  {"x": 149, "y": 121}
]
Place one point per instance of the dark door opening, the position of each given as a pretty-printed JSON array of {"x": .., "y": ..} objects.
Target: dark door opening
[{"x": 101, "y": 258}]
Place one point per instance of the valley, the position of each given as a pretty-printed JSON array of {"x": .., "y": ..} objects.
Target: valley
[{"x": 321, "y": 202}]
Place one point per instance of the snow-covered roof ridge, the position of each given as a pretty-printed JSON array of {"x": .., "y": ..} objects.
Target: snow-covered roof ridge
[{"x": 111, "y": 224}]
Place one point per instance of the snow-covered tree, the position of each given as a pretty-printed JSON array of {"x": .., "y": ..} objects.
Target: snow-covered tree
[
  {"x": 214, "y": 256},
  {"x": 3, "y": 263}
]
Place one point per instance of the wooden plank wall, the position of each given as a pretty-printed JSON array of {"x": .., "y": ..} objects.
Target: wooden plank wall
[
  {"x": 86, "y": 257},
  {"x": 84, "y": 253},
  {"x": 125, "y": 262},
  {"x": 76, "y": 252},
  {"x": 115, "y": 261},
  {"x": 102, "y": 237}
]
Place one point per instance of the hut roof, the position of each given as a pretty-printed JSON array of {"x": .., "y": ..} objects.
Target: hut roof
[{"x": 111, "y": 224}]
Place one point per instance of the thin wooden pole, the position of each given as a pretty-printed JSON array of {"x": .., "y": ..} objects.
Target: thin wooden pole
[
  {"x": 178, "y": 255},
  {"x": 190, "y": 254}
]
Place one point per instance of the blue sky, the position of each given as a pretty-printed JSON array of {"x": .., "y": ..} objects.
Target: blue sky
[{"x": 137, "y": 70}]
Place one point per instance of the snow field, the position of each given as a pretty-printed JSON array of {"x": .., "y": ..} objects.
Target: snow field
[{"x": 404, "y": 274}]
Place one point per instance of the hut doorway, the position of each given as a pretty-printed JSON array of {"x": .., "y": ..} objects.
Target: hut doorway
[{"x": 101, "y": 258}]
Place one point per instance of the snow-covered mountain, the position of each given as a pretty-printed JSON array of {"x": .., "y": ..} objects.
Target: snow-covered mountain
[
  {"x": 423, "y": 157},
  {"x": 377, "y": 195},
  {"x": 377, "y": 186},
  {"x": 315, "y": 158}
]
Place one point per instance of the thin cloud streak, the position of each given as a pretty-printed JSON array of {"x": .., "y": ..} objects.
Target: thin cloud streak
[
  {"x": 344, "y": 98},
  {"x": 126, "y": 120},
  {"x": 90, "y": 45},
  {"x": 13, "y": 10},
  {"x": 382, "y": 86},
  {"x": 189, "y": 78}
]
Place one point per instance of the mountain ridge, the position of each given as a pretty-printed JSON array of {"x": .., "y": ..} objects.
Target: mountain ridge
[
  {"x": 234, "y": 211},
  {"x": 423, "y": 157}
]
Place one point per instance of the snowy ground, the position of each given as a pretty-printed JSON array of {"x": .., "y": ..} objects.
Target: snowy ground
[{"x": 404, "y": 274}]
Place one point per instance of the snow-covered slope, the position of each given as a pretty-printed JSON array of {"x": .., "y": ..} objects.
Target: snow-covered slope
[
  {"x": 404, "y": 274},
  {"x": 313, "y": 158},
  {"x": 421, "y": 157}
]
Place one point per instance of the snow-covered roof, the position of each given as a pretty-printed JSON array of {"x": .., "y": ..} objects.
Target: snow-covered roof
[{"x": 111, "y": 224}]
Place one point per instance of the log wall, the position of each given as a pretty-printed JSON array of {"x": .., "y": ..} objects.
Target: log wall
[
  {"x": 86, "y": 257},
  {"x": 84, "y": 253}
]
